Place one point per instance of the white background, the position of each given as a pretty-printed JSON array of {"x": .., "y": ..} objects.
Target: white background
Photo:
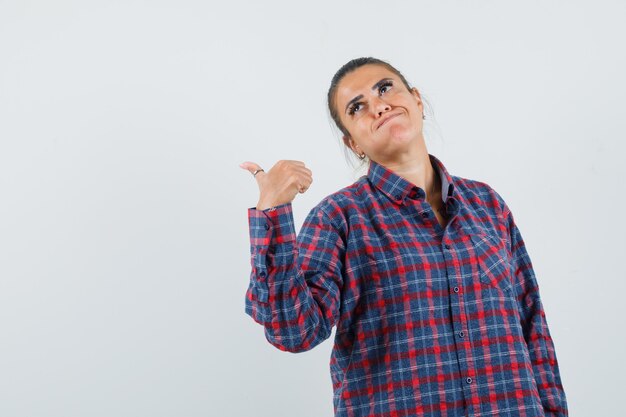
[{"x": 124, "y": 247}]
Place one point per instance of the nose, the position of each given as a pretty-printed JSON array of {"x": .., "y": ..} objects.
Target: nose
[{"x": 379, "y": 106}]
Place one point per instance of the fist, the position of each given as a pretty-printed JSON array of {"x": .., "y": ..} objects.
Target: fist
[{"x": 281, "y": 183}]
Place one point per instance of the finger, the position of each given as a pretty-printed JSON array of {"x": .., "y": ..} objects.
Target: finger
[
  {"x": 304, "y": 183},
  {"x": 303, "y": 171},
  {"x": 299, "y": 163},
  {"x": 251, "y": 167},
  {"x": 300, "y": 177},
  {"x": 302, "y": 168},
  {"x": 302, "y": 188}
]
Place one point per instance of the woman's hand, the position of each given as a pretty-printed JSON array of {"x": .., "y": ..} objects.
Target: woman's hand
[{"x": 281, "y": 183}]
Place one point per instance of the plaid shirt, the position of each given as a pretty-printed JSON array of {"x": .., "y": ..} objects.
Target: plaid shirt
[{"x": 431, "y": 321}]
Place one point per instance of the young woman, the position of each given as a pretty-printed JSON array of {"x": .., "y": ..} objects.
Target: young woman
[{"x": 424, "y": 273}]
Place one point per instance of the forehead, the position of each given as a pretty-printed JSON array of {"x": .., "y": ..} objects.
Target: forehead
[{"x": 360, "y": 81}]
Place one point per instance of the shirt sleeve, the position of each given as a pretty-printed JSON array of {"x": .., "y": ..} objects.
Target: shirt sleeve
[
  {"x": 295, "y": 282},
  {"x": 535, "y": 326}
]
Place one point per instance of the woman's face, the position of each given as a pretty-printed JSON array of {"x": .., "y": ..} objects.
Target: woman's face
[{"x": 384, "y": 119}]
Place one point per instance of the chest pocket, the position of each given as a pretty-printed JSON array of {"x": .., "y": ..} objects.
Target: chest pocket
[{"x": 493, "y": 260}]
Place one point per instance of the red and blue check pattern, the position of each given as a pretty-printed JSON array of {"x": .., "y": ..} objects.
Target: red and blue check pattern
[{"x": 430, "y": 321}]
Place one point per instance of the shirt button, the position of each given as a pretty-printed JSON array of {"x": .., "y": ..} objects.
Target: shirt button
[
  {"x": 447, "y": 246},
  {"x": 469, "y": 380},
  {"x": 398, "y": 197},
  {"x": 267, "y": 226},
  {"x": 424, "y": 214},
  {"x": 456, "y": 289},
  {"x": 262, "y": 274},
  {"x": 461, "y": 333}
]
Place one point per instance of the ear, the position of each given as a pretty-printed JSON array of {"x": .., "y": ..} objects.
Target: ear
[
  {"x": 418, "y": 98},
  {"x": 350, "y": 143}
]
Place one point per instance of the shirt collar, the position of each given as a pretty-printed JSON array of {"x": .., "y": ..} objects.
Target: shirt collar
[{"x": 398, "y": 188}]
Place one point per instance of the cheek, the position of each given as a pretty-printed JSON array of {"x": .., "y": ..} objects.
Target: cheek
[
  {"x": 361, "y": 131},
  {"x": 346, "y": 123},
  {"x": 354, "y": 126}
]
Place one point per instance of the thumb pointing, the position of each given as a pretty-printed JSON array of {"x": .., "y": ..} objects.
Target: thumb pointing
[{"x": 250, "y": 166}]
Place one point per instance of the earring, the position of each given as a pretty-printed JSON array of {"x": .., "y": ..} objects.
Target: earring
[
  {"x": 423, "y": 116},
  {"x": 362, "y": 156}
]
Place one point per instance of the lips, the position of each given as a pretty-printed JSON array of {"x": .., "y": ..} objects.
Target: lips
[{"x": 386, "y": 119}]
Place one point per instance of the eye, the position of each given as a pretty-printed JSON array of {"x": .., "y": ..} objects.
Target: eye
[
  {"x": 353, "y": 108},
  {"x": 385, "y": 87}
]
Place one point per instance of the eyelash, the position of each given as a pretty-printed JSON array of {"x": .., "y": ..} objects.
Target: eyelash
[{"x": 352, "y": 108}]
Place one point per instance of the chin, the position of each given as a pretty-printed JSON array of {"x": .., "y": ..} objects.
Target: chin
[{"x": 400, "y": 134}]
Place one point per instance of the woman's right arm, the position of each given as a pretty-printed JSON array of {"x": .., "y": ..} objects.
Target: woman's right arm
[{"x": 295, "y": 283}]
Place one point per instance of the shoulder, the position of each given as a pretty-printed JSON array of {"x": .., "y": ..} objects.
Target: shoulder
[
  {"x": 338, "y": 206},
  {"x": 485, "y": 206},
  {"x": 477, "y": 193}
]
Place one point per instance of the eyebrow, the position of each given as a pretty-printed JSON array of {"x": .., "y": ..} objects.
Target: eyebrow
[{"x": 360, "y": 96}]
